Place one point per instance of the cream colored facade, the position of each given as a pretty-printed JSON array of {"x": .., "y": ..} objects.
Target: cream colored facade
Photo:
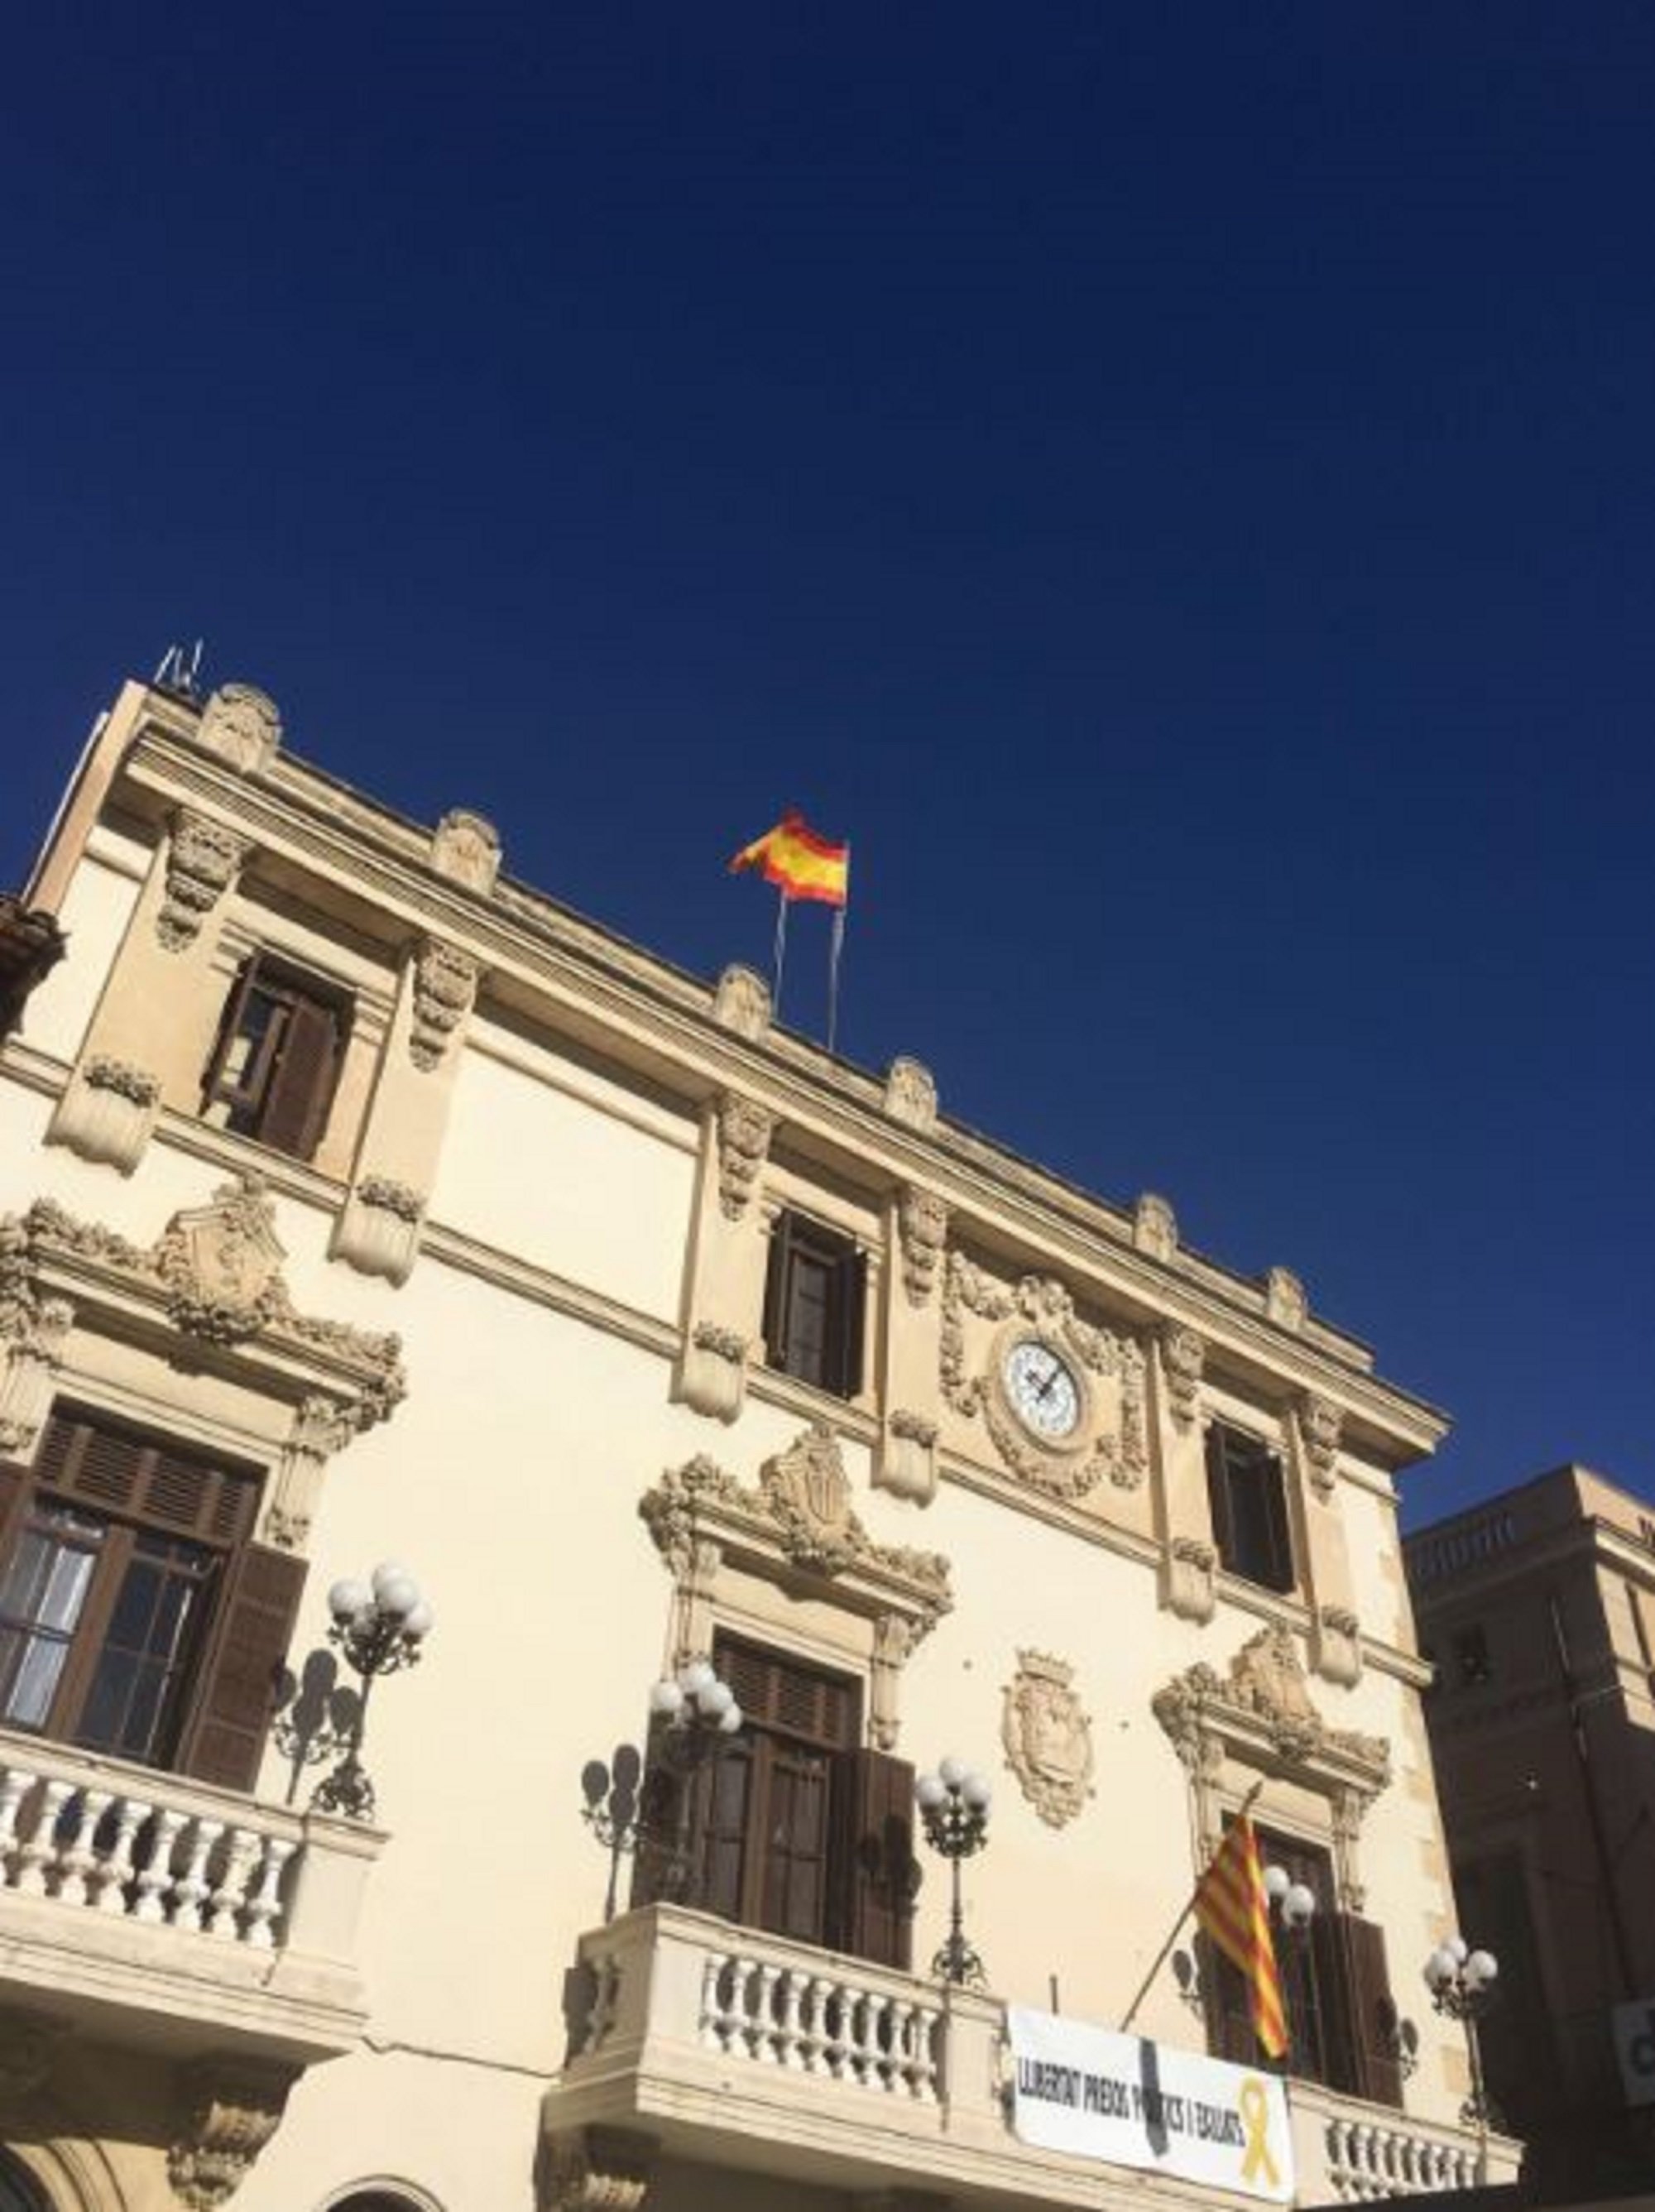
[{"x": 507, "y": 1325}]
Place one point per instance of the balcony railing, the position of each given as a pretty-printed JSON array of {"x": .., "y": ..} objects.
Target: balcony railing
[
  {"x": 718, "y": 2043},
  {"x": 130, "y": 1897}
]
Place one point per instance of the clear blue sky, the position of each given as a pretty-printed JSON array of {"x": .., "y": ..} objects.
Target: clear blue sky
[{"x": 1174, "y": 486}]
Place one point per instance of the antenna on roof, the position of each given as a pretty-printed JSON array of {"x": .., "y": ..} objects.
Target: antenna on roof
[{"x": 179, "y": 666}]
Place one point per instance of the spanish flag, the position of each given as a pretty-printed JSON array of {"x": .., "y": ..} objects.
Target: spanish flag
[
  {"x": 1231, "y": 1906},
  {"x": 801, "y": 864}
]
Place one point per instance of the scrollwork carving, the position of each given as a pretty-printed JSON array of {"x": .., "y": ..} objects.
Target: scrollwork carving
[
  {"x": 1321, "y": 1428},
  {"x": 228, "y": 2113},
  {"x": 203, "y": 859},
  {"x": 744, "y": 1143},
  {"x": 922, "y": 1226},
  {"x": 445, "y": 990},
  {"x": 242, "y": 725},
  {"x": 1047, "y": 1733},
  {"x": 1183, "y": 1355}
]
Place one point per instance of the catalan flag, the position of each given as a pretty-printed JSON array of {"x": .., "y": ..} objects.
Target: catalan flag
[
  {"x": 1231, "y": 1906},
  {"x": 799, "y": 862}
]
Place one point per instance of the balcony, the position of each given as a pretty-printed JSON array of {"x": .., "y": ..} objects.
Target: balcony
[
  {"x": 695, "y": 2040},
  {"x": 137, "y": 1907}
]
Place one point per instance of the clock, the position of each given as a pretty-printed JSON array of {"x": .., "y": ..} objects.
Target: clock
[{"x": 1042, "y": 1388}]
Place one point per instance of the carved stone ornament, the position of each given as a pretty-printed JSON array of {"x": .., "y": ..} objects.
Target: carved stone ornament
[
  {"x": 1183, "y": 1354},
  {"x": 242, "y": 725},
  {"x": 1285, "y": 1302},
  {"x": 228, "y": 2113},
  {"x": 1155, "y": 1226},
  {"x": 214, "y": 1275},
  {"x": 445, "y": 990},
  {"x": 1110, "y": 1439},
  {"x": 714, "y": 1377},
  {"x": 1191, "y": 1578},
  {"x": 465, "y": 848},
  {"x": 798, "y": 1522},
  {"x": 1261, "y": 1719},
  {"x": 378, "y": 1230},
  {"x": 1048, "y": 1737},
  {"x": 1320, "y": 1425},
  {"x": 1338, "y": 1644},
  {"x": 905, "y": 1463},
  {"x": 107, "y": 1112},
  {"x": 922, "y": 1226},
  {"x": 594, "y": 2169},
  {"x": 911, "y": 1094},
  {"x": 203, "y": 859},
  {"x": 741, "y": 1002},
  {"x": 743, "y": 1144}
]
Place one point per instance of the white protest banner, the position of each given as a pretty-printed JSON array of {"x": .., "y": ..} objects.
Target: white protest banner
[{"x": 1098, "y": 2095}]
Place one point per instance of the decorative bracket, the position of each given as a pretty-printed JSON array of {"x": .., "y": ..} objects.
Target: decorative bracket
[{"x": 229, "y": 2113}]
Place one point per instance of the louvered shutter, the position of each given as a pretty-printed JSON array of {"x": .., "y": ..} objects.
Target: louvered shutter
[
  {"x": 1378, "y": 2067},
  {"x": 1331, "y": 1953},
  {"x": 876, "y": 1872},
  {"x": 301, "y": 1083},
  {"x": 14, "y": 1488},
  {"x": 184, "y": 1493},
  {"x": 1229, "y": 2015},
  {"x": 224, "y": 1738}
]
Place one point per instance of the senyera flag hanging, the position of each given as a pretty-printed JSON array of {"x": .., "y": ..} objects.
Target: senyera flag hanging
[
  {"x": 800, "y": 862},
  {"x": 1231, "y": 1905},
  {"x": 802, "y": 865}
]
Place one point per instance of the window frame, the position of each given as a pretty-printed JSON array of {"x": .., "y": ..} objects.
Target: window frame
[
  {"x": 1232, "y": 1453},
  {"x": 799, "y": 1241},
  {"x": 258, "y": 1105}
]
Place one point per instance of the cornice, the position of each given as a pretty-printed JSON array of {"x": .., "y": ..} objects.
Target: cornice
[{"x": 605, "y": 986}]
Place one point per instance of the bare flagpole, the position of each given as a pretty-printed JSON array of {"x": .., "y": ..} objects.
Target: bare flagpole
[
  {"x": 780, "y": 948},
  {"x": 835, "y": 952}
]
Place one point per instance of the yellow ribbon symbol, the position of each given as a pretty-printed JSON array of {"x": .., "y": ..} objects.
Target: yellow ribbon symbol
[{"x": 1256, "y": 2118}]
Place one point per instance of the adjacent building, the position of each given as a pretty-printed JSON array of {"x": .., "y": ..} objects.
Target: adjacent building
[
  {"x": 358, "y": 1203},
  {"x": 1538, "y": 1610}
]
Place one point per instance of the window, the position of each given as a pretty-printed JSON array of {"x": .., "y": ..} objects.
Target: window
[
  {"x": 814, "y": 1305},
  {"x": 276, "y": 1060},
  {"x": 792, "y": 1827},
  {"x": 1248, "y": 1502},
  {"x": 1471, "y": 1661},
  {"x": 1334, "y": 1987},
  {"x": 136, "y": 1617}
]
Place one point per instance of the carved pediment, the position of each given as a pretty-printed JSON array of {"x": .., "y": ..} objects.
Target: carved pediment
[{"x": 1262, "y": 1710}]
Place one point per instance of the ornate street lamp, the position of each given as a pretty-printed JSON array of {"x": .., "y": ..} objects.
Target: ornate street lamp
[
  {"x": 1294, "y": 1901},
  {"x": 953, "y": 1806},
  {"x": 380, "y": 1627},
  {"x": 1461, "y": 1985},
  {"x": 695, "y": 1716}
]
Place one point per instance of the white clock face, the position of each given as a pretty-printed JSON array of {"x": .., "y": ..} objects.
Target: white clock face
[{"x": 1042, "y": 1389}]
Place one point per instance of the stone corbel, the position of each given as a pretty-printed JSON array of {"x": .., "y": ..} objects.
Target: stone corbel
[
  {"x": 894, "y": 1638},
  {"x": 594, "y": 2169},
  {"x": 713, "y": 1379},
  {"x": 203, "y": 859},
  {"x": 445, "y": 990},
  {"x": 107, "y": 1112},
  {"x": 1348, "y": 1807},
  {"x": 33, "y": 1331},
  {"x": 1337, "y": 1645},
  {"x": 1190, "y": 1578},
  {"x": 907, "y": 1456},
  {"x": 229, "y": 2113},
  {"x": 1320, "y": 1425},
  {"x": 322, "y": 1426},
  {"x": 1183, "y": 1357},
  {"x": 923, "y": 1227},
  {"x": 745, "y": 1129},
  {"x": 378, "y": 1232}
]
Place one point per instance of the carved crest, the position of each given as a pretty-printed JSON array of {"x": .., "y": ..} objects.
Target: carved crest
[
  {"x": 1048, "y": 1737},
  {"x": 242, "y": 725},
  {"x": 742, "y": 1002},
  {"x": 465, "y": 847},
  {"x": 1154, "y": 1226},
  {"x": 911, "y": 1094},
  {"x": 809, "y": 1495},
  {"x": 221, "y": 1264}
]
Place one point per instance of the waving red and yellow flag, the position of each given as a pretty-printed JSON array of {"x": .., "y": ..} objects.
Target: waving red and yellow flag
[
  {"x": 1231, "y": 1906},
  {"x": 799, "y": 862}
]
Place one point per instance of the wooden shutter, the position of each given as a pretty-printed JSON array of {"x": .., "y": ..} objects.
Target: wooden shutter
[
  {"x": 777, "y": 1274},
  {"x": 1376, "y": 2063},
  {"x": 224, "y": 1737},
  {"x": 850, "y": 1277},
  {"x": 1330, "y": 1957},
  {"x": 1229, "y": 2014},
  {"x": 162, "y": 1485},
  {"x": 14, "y": 1489},
  {"x": 1273, "y": 1490},
  {"x": 875, "y": 1870},
  {"x": 301, "y": 1085},
  {"x": 230, "y": 1023}
]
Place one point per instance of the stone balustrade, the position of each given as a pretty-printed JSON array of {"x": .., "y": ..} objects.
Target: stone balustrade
[
  {"x": 123, "y": 1888},
  {"x": 1361, "y": 2153}
]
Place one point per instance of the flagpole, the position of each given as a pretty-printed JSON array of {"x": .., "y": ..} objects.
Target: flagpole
[
  {"x": 780, "y": 950},
  {"x": 838, "y": 948},
  {"x": 1161, "y": 1956}
]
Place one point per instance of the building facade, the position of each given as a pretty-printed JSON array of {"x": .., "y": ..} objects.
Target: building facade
[
  {"x": 1539, "y": 1609},
  {"x": 360, "y": 1203}
]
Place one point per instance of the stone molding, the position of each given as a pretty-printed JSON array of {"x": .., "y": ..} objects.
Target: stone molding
[
  {"x": 741, "y": 1003},
  {"x": 1047, "y": 1733},
  {"x": 444, "y": 991},
  {"x": 594, "y": 2169},
  {"x": 1040, "y": 1306},
  {"x": 243, "y": 725},
  {"x": 911, "y": 1094},
  {"x": 204, "y": 860},
  {"x": 745, "y": 1128},
  {"x": 465, "y": 849},
  {"x": 1155, "y": 1226},
  {"x": 922, "y": 1229},
  {"x": 1261, "y": 1717},
  {"x": 229, "y": 2111},
  {"x": 796, "y": 1527},
  {"x": 215, "y": 1276}
]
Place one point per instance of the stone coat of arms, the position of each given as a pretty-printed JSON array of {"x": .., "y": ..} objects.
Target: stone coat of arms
[{"x": 1048, "y": 1737}]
